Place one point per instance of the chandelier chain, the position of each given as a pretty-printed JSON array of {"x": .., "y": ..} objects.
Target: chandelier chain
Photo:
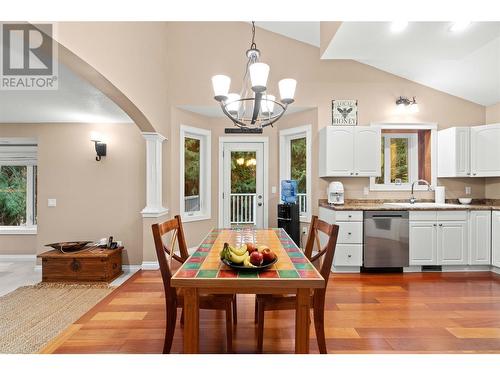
[{"x": 253, "y": 45}]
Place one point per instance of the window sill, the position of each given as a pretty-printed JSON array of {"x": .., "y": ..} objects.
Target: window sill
[
  {"x": 29, "y": 230},
  {"x": 188, "y": 218}
]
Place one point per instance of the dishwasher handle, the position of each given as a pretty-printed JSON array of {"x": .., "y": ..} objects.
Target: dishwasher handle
[{"x": 386, "y": 215}]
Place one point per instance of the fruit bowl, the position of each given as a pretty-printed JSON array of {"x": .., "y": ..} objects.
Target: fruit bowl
[
  {"x": 242, "y": 267},
  {"x": 248, "y": 256}
]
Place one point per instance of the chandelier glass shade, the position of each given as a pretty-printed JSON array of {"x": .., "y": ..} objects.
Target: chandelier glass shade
[{"x": 253, "y": 107}]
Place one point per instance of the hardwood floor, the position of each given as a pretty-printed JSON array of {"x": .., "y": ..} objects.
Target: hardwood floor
[{"x": 366, "y": 313}]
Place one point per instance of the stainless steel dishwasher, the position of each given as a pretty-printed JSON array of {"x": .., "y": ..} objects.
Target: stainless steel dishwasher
[{"x": 386, "y": 239}]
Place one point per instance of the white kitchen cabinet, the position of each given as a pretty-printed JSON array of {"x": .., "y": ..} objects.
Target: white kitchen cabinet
[
  {"x": 443, "y": 241},
  {"x": 480, "y": 237},
  {"x": 452, "y": 243},
  {"x": 485, "y": 150},
  {"x": 495, "y": 238},
  {"x": 367, "y": 151},
  {"x": 349, "y": 151},
  {"x": 469, "y": 151},
  {"x": 454, "y": 152},
  {"x": 423, "y": 244}
]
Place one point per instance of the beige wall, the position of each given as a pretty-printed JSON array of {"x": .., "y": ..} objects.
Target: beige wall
[
  {"x": 493, "y": 184},
  {"x": 94, "y": 199}
]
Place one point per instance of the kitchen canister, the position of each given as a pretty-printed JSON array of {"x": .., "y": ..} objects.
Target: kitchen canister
[{"x": 439, "y": 194}]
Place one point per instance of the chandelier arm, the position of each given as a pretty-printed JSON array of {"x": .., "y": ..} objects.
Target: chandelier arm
[
  {"x": 234, "y": 120},
  {"x": 277, "y": 118},
  {"x": 256, "y": 106}
]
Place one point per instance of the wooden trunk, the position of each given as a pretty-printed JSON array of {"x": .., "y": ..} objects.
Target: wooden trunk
[{"x": 88, "y": 265}]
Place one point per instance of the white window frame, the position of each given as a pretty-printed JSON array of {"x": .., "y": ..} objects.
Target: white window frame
[
  {"x": 286, "y": 136},
  {"x": 432, "y": 127},
  {"x": 21, "y": 152},
  {"x": 205, "y": 138}
]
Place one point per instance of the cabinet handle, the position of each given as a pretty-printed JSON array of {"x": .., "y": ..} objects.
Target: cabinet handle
[
  {"x": 352, "y": 173},
  {"x": 349, "y": 216},
  {"x": 434, "y": 225},
  {"x": 349, "y": 233},
  {"x": 474, "y": 174},
  {"x": 349, "y": 256},
  {"x": 357, "y": 173},
  {"x": 440, "y": 225}
]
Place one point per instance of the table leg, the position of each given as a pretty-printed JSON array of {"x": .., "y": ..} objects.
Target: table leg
[
  {"x": 302, "y": 321},
  {"x": 191, "y": 321}
]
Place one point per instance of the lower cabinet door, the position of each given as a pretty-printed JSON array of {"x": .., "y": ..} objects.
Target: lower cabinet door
[
  {"x": 480, "y": 237},
  {"x": 453, "y": 243},
  {"x": 495, "y": 221},
  {"x": 423, "y": 250}
]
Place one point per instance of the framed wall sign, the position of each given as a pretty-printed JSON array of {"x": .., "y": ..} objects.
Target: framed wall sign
[{"x": 344, "y": 112}]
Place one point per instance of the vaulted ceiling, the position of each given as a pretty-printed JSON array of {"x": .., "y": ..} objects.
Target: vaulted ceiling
[{"x": 465, "y": 64}]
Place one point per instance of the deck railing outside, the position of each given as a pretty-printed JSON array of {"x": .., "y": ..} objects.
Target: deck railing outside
[
  {"x": 192, "y": 203},
  {"x": 242, "y": 208}
]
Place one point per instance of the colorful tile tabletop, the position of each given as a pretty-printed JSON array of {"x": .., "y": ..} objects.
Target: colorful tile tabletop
[{"x": 205, "y": 263}]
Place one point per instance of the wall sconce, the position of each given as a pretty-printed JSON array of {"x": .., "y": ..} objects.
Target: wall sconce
[
  {"x": 405, "y": 104},
  {"x": 100, "y": 146}
]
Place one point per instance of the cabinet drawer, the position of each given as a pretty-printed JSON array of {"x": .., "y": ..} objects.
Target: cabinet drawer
[
  {"x": 348, "y": 215},
  {"x": 348, "y": 255},
  {"x": 350, "y": 233},
  {"x": 423, "y": 215},
  {"x": 452, "y": 216}
]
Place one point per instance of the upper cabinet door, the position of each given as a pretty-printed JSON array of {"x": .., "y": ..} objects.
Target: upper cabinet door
[
  {"x": 463, "y": 152},
  {"x": 485, "y": 150},
  {"x": 336, "y": 148},
  {"x": 367, "y": 151}
]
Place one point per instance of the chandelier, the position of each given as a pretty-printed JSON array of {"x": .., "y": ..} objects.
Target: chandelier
[{"x": 253, "y": 107}]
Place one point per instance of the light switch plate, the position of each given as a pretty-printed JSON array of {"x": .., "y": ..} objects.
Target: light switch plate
[
  {"x": 365, "y": 190},
  {"x": 273, "y": 189},
  {"x": 52, "y": 202},
  {"x": 467, "y": 190}
]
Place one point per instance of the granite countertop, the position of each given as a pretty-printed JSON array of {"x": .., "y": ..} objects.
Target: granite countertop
[{"x": 378, "y": 205}]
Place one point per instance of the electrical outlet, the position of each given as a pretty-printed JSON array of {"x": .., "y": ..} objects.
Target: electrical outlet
[
  {"x": 365, "y": 190},
  {"x": 467, "y": 190},
  {"x": 305, "y": 230},
  {"x": 273, "y": 189},
  {"x": 51, "y": 202}
]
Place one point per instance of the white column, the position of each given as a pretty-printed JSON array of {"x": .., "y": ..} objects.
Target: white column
[{"x": 154, "y": 205}]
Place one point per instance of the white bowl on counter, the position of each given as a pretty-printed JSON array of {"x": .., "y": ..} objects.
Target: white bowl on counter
[{"x": 465, "y": 200}]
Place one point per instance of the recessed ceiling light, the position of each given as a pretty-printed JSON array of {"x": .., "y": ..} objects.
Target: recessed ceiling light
[
  {"x": 459, "y": 26},
  {"x": 398, "y": 26}
]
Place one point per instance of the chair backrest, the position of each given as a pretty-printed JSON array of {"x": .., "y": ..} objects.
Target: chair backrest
[
  {"x": 163, "y": 252},
  {"x": 328, "y": 251}
]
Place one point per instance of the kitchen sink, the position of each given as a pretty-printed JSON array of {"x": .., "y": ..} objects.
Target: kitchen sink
[{"x": 424, "y": 205}]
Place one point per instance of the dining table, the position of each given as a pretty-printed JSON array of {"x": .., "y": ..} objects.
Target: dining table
[{"x": 204, "y": 273}]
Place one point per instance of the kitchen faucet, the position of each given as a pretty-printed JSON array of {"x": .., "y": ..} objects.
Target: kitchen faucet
[{"x": 412, "y": 197}]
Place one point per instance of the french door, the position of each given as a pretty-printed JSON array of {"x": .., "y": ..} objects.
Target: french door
[{"x": 243, "y": 200}]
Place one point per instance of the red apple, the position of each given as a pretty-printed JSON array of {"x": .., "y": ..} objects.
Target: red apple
[
  {"x": 261, "y": 248},
  {"x": 256, "y": 258},
  {"x": 251, "y": 247},
  {"x": 268, "y": 255}
]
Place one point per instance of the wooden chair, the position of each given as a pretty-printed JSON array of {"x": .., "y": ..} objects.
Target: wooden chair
[
  {"x": 173, "y": 296},
  {"x": 266, "y": 302}
]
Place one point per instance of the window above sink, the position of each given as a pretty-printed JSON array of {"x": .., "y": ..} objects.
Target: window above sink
[{"x": 408, "y": 153}]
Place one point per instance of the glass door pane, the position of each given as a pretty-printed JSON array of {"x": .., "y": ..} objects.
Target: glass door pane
[{"x": 243, "y": 187}]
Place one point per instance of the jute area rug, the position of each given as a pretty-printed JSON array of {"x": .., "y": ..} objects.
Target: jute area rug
[{"x": 32, "y": 315}]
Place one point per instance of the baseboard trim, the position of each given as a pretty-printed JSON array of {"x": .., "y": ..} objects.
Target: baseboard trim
[
  {"x": 131, "y": 267},
  {"x": 412, "y": 269},
  {"x": 150, "y": 266},
  {"x": 345, "y": 269},
  {"x": 469, "y": 268},
  {"x": 17, "y": 257},
  {"x": 495, "y": 269}
]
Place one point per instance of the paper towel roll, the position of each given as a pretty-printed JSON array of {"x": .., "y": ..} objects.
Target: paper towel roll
[{"x": 439, "y": 194}]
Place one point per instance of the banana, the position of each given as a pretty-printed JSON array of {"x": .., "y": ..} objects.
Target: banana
[
  {"x": 237, "y": 259},
  {"x": 247, "y": 263},
  {"x": 239, "y": 250}
]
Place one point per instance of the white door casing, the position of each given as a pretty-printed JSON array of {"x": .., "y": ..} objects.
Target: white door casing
[{"x": 259, "y": 145}]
